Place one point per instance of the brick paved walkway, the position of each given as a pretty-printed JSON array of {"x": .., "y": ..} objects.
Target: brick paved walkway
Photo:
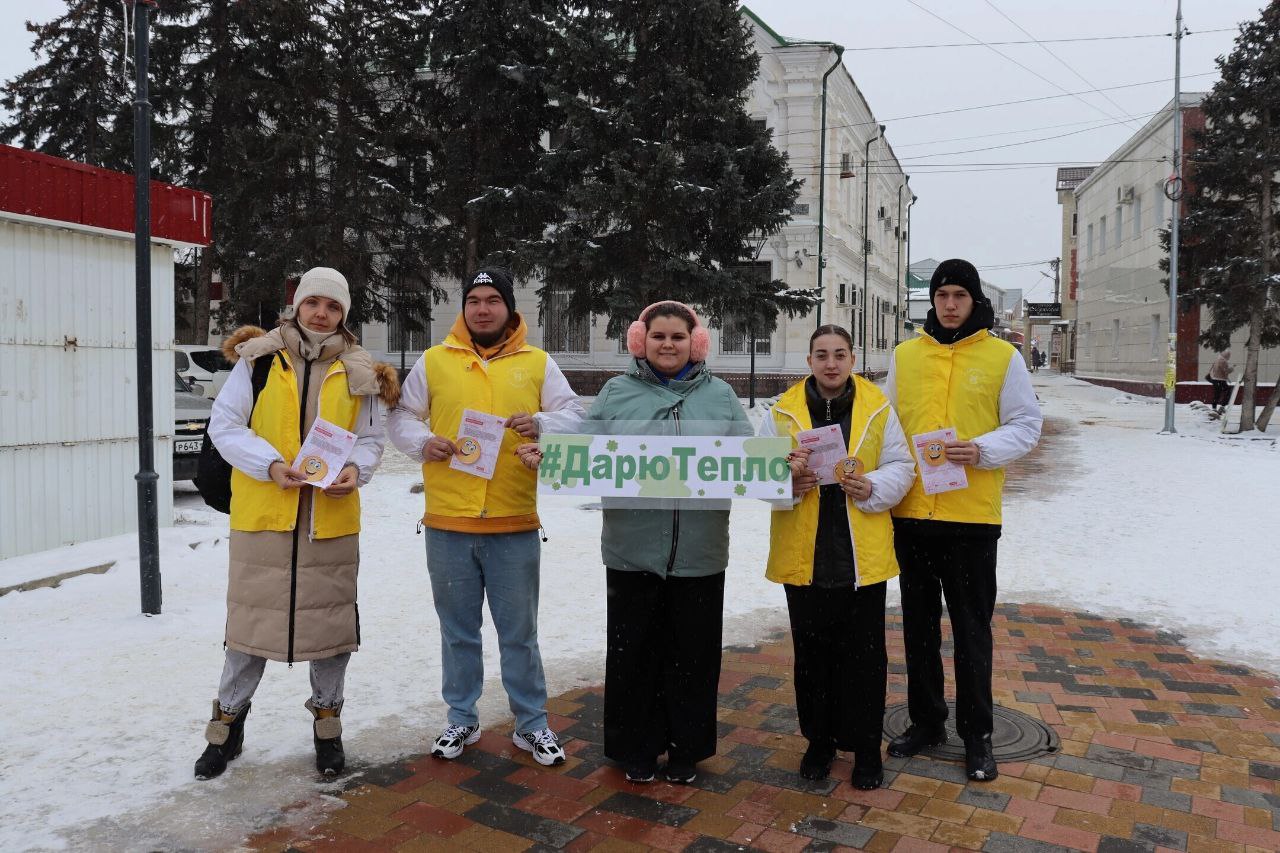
[{"x": 1159, "y": 751}]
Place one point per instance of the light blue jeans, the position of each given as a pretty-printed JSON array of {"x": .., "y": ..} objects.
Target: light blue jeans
[{"x": 464, "y": 568}]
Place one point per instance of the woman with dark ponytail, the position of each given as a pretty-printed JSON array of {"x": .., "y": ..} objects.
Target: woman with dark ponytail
[{"x": 832, "y": 548}]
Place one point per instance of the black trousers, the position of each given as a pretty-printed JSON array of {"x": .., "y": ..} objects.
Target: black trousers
[
  {"x": 662, "y": 666},
  {"x": 841, "y": 668},
  {"x": 1221, "y": 392},
  {"x": 962, "y": 570}
]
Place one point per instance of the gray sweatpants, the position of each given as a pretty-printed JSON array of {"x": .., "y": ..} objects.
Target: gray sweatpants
[{"x": 241, "y": 674}]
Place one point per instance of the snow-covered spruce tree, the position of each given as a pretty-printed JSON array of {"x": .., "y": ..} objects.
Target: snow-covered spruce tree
[
  {"x": 215, "y": 101},
  {"x": 322, "y": 163},
  {"x": 489, "y": 108},
  {"x": 667, "y": 180},
  {"x": 77, "y": 101},
  {"x": 1229, "y": 257}
]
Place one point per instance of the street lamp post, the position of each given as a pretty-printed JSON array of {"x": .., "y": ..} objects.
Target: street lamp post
[
  {"x": 866, "y": 239},
  {"x": 822, "y": 177},
  {"x": 1171, "y": 358},
  {"x": 911, "y": 204},
  {"x": 897, "y": 276},
  {"x": 146, "y": 478}
]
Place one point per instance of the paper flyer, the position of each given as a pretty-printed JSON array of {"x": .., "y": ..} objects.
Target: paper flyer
[
  {"x": 937, "y": 474},
  {"x": 479, "y": 442},
  {"x": 325, "y": 451},
  {"x": 828, "y": 449}
]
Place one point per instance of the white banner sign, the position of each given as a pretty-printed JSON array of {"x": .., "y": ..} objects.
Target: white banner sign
[{"x": 665, "y": 466}]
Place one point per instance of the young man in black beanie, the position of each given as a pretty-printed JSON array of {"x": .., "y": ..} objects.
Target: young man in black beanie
[{"x": 956, "y": 375}]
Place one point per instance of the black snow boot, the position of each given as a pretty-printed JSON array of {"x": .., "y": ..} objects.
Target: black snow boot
[
  {"x": 327, "y": 735},
  {"x": 979, "y": 761},
  {"x": 225, "y": 734},
  {"x": 916, "y": 739}
]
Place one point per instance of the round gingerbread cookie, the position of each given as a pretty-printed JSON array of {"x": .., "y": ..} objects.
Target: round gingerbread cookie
[
  {"x": 468, "y": 450},
  {"x": 849, "y": 467},
  {"x": 315, "y": 468}
]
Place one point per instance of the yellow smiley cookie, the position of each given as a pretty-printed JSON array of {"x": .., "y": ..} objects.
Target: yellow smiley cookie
[
  {"x": 935, "y": 453},
  {"x": 315, "y": 468},
  {"x": 850, "y": 467},
  {"x": 468, "y": 450}
]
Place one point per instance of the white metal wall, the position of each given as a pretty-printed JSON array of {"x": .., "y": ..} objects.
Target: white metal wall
[{"x": 68, "y": 379}]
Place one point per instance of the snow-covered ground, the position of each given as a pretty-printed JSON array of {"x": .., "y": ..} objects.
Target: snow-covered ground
[{"x": 103, "y": 708}]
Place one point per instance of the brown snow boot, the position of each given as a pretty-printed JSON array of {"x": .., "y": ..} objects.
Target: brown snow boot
[
  {"x": 327, "y": 735},
  {"x": 225, "y": 734}
]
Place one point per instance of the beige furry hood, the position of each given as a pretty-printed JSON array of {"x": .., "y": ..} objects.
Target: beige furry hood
[{"x": 365, "y": 377}]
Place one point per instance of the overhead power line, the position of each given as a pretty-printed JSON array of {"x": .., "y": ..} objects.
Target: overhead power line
[
  {"x": 1033, "y": 41},
  {"x": 1060, "y": 60},
  {"x": 907, "y": 161},
  {"x": 1096, "y": 122},
  {"x": 993, "y": 105},
  {"x": 1009, "y": 58}
]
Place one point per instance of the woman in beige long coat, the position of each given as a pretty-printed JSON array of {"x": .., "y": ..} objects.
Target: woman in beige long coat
[{"x": 291, "y": 593}]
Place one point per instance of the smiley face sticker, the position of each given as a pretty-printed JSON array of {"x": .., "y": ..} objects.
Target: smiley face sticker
[
  {"x": 469, "y": 450},
  {"x": 935, "y": 453},
  {"x": 315, "y": 468},
  {"x": 849, "y": 467}
]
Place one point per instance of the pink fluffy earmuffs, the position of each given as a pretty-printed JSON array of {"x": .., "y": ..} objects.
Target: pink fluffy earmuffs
[{"x": 699, "y": 339}]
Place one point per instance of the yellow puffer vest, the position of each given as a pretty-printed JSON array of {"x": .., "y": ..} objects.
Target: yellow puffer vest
[
  {"x": 457, "y": 379},
  {"x": 792, "y": 533},
  {"x": 258, "y": 505},
  {"x": 956, "y": 385}
]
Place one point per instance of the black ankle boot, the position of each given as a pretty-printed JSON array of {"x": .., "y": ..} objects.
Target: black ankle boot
[
  {"x": 327, "y": 736},
  {"x": 979, "y": 761},
  {"x": 916, "y": 739},
  {"x": 225, "y": 734},
  {"x": 868, "y": 772},
  {"x": 816, "y": 764}
]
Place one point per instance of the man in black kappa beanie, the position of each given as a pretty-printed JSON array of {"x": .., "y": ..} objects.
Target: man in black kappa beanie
[{"x": 497, "y": 278}]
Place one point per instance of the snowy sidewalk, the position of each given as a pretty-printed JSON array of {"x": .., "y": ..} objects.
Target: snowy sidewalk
[
  {"x": 104, "y": 709},
  {"x": 1159, "y": 750}
]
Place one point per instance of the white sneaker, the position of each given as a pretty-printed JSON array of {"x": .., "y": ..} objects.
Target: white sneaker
[
  {"x": 451, "y": 741},
  {"x": 542, "y": 743}
]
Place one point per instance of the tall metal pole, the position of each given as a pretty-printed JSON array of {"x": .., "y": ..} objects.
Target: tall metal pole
[
  {"x": 897, "y": 276},
  {"x": 866, "y": 241},
  {"x": 822, "y": 178},
  {"x": 148, "y": 523},
  {"x": 911, "y": 204},
  {"x": 1171, "y": 359}
]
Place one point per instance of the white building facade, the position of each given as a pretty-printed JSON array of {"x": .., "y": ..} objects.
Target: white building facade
[
  {"x": 1122, "y": 305},
  {"x": 787, "y": 98}
]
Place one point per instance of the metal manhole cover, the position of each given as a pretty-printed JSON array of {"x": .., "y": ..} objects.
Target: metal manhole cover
[{"x": 1016, "y": 736}]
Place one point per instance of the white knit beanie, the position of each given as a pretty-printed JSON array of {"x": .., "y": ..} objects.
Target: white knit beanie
[{"x": 327, "y": 282}]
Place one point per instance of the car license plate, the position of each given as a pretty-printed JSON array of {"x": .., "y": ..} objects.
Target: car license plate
[{"x": 188, "y": 446}]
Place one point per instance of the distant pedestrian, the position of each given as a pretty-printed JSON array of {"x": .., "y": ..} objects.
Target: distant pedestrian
[
  {"x": 1219, "y": 374},
  {"x": 832, "y": 548},
  {"x": 1035, "y": 358},
  {"x": 956, "y": 375},
  {"x": 295, "y": 549}
]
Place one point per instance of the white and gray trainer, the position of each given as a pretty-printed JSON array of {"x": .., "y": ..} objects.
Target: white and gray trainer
[
  {"x": 451, "y": 741},
  {"x": 542, "y": 743}
]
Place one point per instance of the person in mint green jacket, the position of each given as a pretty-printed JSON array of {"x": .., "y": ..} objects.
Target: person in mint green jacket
[{"x": 665, "y": 567}]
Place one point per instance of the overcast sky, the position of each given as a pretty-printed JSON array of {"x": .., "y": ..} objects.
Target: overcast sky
[{"x": 1002, "y": 214}]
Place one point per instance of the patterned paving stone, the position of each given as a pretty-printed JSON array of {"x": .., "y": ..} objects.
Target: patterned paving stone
[{"x": 1159, "y": 750}]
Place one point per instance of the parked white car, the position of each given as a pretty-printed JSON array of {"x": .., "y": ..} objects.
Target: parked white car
[{"x": 204, "y": 368}]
